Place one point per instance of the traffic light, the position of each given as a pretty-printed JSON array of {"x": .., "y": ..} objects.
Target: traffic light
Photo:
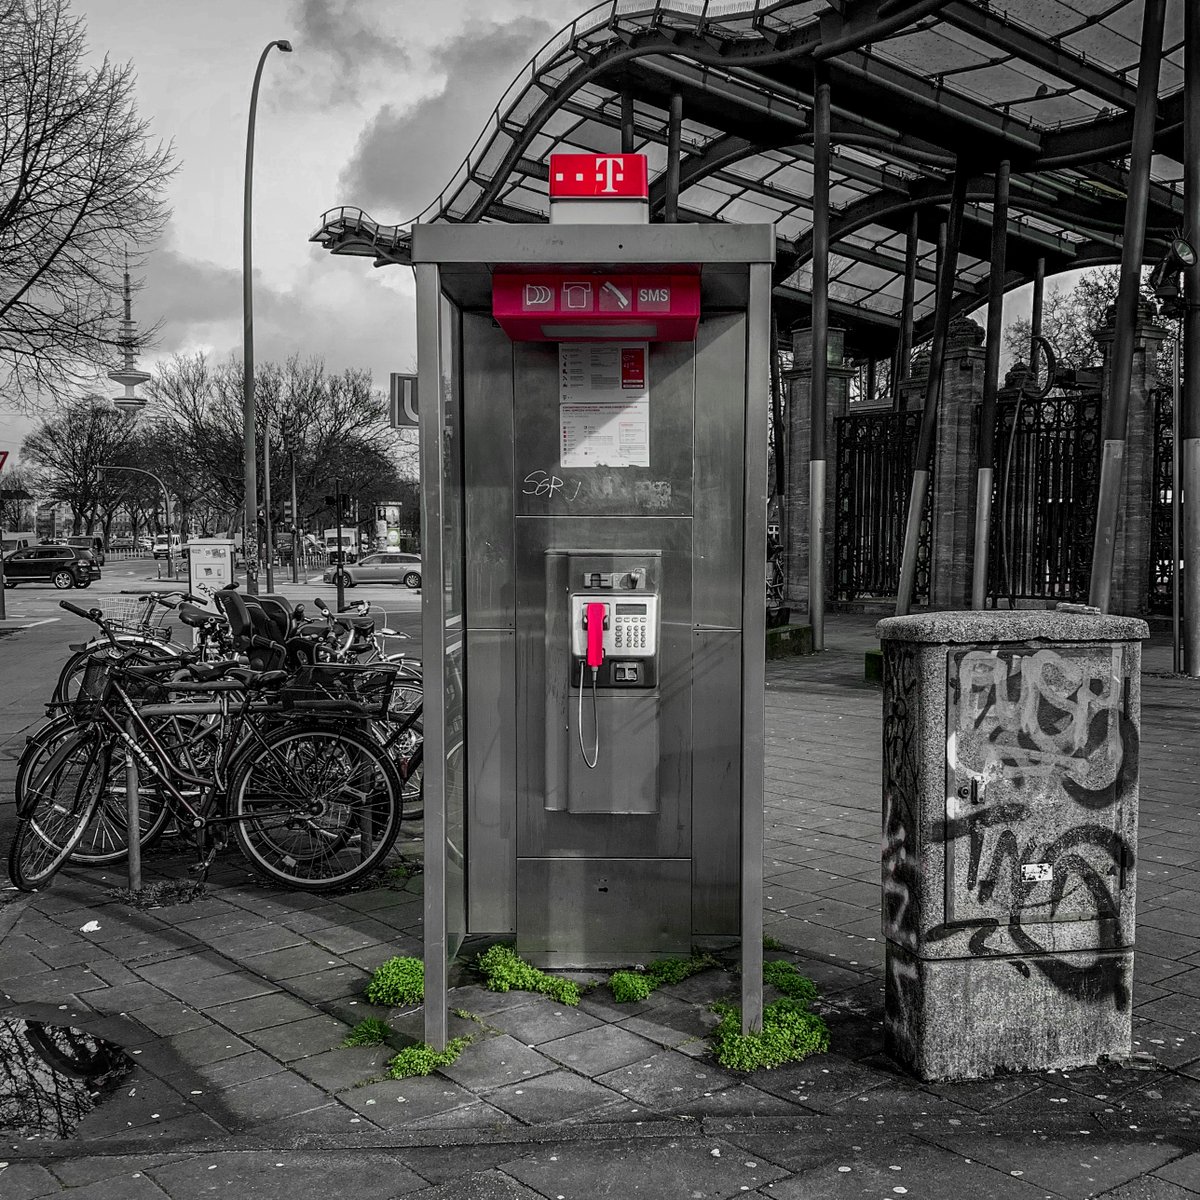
[
  {"x": 347, "y": 506},
  {"x": 289, "y": 516}
]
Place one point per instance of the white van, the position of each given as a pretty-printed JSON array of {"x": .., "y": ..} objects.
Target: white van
[
  {"x": 17, "y": 541},
  {"x": 177, "y": 547}
]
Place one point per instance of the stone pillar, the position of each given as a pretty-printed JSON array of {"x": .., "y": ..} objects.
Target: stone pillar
[
  {"x": 1009, "y": 839},
  {"x": 951, "y": 504},
  {"x": 798, "y": 383},
  {"x": 1131, "y": 562},
  {"x": 952, "y": 499}
]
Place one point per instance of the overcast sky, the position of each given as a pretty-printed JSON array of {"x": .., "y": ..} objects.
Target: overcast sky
[{"x": 377, "y": 106}]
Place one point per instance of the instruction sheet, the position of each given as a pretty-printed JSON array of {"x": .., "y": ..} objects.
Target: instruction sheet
[{"x": 604, "y": 404}]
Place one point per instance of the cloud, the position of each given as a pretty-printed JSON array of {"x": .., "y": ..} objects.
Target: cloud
[
  {"x": 405, "y": 156},
  {"x": 340, "y": 309},
  {"x": 340, "y": 54}
]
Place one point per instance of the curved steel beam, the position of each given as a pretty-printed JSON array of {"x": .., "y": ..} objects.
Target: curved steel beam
[{"x": 861, "y": 27}]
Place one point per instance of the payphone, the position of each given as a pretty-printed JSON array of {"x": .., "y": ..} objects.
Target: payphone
[{"x": 594, "y": 500}]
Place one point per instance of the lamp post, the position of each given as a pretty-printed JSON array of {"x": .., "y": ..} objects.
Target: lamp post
[
  {"x": 167, "y": 500},
  {"x": 248, "y": 410}
]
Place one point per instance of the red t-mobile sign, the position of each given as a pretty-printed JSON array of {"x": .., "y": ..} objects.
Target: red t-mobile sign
[{"x": 597, "y": 176}]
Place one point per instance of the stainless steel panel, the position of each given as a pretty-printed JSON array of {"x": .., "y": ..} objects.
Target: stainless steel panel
[
  {"x": 643, "y": 245},
  {"x": 487, "y": 388},
  {"x": 433, "y": 631},
  {"x": 663, "y": 489},
  {"x": 621, "y": 726},
  {"x": 716, "y": 782},
  {"x": 491, "y": 782},
  {"x": 539, "y": 686},
  {"x": 718, "y": 497},
  {"x": 590, "y": 912},
  {"x": 754, "y": 634}
]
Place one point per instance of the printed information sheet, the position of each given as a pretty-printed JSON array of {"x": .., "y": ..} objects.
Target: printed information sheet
[{"x": 604, "y": 404}]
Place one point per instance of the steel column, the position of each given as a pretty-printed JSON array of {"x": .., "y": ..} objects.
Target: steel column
[
  {"x": 820, "y": 359},
  {"x": 628, "y": 132},
  {"x": 1035, "y": 314},
  {"x": 948, "y": 269},
  {"x": 1189, "y": 407},
  {"x": 674, "y": 139},
  {"x": 1116, "y": 409},
  {"x": 904, "y": 350},
  {"x": 991, "y": 382}
]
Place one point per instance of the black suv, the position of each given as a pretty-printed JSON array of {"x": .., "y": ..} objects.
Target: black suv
[{"x": 63, "y": 566}]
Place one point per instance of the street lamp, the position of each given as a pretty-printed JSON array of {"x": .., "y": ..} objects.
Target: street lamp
[
  {"x": 248, "y": 411},
  {"x": 167, "y": 500}
]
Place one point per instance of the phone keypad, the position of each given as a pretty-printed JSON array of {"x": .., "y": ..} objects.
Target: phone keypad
[{"x": 629, "y": 633}]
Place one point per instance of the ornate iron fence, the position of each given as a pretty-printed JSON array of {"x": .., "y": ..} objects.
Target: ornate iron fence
[
  {"x": 1160, "y": 500},
  {"x": 1044, "y": 502},
  {"x": 875, "y": 456}
]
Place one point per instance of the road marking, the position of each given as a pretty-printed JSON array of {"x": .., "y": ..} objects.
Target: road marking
[{"x": 43, "y": 621}]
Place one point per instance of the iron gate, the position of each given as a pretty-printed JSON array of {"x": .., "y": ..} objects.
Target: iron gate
[
  {"x": 1044, "y": 502},
  {"x": 875, "y": 456}
]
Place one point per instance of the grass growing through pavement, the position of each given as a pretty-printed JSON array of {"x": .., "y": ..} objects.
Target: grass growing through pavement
[
  {"x": 789, "y": 1031},
  {"x": 397, "y": 981},
  {"x": 504, "y": 971},
  {"x": 422, "y": 1059},
  {"x": 369, "y": 1032},
  {"x": 628, "y": 986}
]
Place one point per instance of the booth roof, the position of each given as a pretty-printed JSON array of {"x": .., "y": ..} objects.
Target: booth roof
[{"x": 1049, "y": 85}]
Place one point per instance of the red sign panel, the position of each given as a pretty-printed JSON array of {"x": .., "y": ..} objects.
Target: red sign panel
[
  {"x": 3, "y": 458},
  {"x": 587, "y": 306},
  {"x": 599, "y": 176}
]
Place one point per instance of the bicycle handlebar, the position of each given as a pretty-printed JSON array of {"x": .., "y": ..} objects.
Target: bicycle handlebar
[{"x": 93, "y": 614}]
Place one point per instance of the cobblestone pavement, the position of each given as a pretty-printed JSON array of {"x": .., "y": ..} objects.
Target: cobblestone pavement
[{"x": 233, "y": 1008}]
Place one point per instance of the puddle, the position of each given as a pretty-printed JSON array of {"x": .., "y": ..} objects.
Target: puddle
[{"x": 52, "y": 1076}]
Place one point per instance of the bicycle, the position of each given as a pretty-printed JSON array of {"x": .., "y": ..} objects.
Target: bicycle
[{"x": 314, "y": 805}]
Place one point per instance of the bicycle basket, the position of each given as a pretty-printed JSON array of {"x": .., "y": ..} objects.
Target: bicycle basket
[
  {"x": 95, "y": 687},
  {"x": 136, "y": 615},
  {"x": 363, "y": 691}
]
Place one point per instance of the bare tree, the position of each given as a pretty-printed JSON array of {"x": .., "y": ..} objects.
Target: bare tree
[
  {"x": 323, "y": 425},
  {"x": 66, "y": 451},
  {"x": 81, "y": 185}
]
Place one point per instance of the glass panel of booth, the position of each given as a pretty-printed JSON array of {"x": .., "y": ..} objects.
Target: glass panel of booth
[{"x": 453, "y": 574}]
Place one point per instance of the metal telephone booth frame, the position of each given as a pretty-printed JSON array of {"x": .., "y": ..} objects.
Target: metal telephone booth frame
[{"x": 658, "y": 846}]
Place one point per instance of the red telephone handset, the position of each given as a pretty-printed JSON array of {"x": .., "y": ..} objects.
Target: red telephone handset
[{"x": 595, "y": 619}]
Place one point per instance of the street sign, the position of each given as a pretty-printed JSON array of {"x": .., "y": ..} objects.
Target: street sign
[{"x": 404, "y": 402}]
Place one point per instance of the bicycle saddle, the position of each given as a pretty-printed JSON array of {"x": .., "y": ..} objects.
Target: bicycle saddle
[{"x": 189, "y": 614}]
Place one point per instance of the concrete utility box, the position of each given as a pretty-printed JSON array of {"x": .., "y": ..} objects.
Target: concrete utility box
[{"x": 1010, "y": 795}]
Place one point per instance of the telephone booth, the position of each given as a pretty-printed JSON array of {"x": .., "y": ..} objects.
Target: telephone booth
[{"x": 593, "y": 417}]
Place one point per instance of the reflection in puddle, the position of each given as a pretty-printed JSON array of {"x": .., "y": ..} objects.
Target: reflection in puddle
[{"x": 52, "y": 1076}]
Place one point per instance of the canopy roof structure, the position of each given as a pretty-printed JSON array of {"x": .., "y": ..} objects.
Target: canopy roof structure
[{"x": 916, "y": 86}]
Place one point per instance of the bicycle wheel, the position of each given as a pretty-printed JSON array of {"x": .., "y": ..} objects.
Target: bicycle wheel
[
  {"x": 315, "y": 808},
  {"x": 54, "y": 812}
]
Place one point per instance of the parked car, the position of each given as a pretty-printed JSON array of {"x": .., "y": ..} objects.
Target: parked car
[
  {"x": 386, "y": 566},
  {"x": 122, "y": 543},
  {"x": 62, "y": 565},
  {"x": 145, "y": 543},
  {"x": 88, "y": 541}
]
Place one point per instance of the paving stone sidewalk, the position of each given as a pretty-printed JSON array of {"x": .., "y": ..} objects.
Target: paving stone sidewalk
[{"x": 233, "y": 1009}]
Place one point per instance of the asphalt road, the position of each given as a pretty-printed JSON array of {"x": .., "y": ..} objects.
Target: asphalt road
[{"x": 35, "y": 638}]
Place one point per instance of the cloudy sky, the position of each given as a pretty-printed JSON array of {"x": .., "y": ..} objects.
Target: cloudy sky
[{"x": 377, "y": 105}]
